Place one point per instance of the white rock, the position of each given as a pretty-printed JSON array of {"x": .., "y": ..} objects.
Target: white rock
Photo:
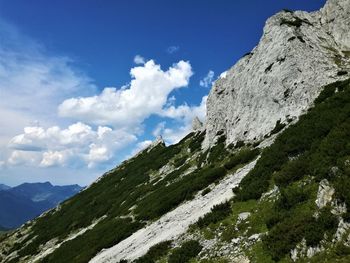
[
  {"x": 324, "y": 194},
  {"x": 343, "y": 227},
  {"x": 197, "y": 125},
  {"x": 312, "y": 251},
  {"x": 282, "y": 76},
  {"x": 243, "y": 216}
]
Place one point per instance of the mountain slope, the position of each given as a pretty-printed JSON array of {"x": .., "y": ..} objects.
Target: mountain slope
[
  {"x": 4, "y": 187},
  {"x": 277, "y": 123},
  {"x": 16, "y": 209},
  {"x": 292, "y": 205},
  {"x": 139, "y": 191},
  {"x": 27, "y": 201}
]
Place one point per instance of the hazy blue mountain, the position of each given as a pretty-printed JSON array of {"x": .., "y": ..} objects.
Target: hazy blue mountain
[
  {"x": 37, "y": 192},
  {"x": 26, "y": 201},
  {"x": 4, "y": 187}
]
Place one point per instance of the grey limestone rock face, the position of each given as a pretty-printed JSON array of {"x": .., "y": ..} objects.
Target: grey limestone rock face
[
  {"x": 297, "y": 55},
  {"x": 197, "y": 125}
]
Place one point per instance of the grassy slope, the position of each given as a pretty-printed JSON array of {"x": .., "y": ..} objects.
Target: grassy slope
[
  {"x": 299, "y": 159},
  {"x": 135, "y": 185},
  {"x": 315, "y": 148}
]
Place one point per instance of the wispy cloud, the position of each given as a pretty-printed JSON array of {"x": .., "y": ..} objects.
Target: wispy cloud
[
  {"x": 32, "y": 84},
  {"x": 173, "y": 49},
  {"x": 139, "y": 60},
  {"x": 62, "y": 120},
  {"x": 207, "y": 81}
]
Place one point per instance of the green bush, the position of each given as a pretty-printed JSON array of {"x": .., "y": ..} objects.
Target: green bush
[
  {"x": 242, "y": 157},
  {"x": 84, "y": 247},
  {"x": 291, "y": 196},
  {"x": 163, "y": 199},
  {"x": 218, "y": 213},
  {"x": 154, "y": 253},
  {"x": 188, "y": 250},
  {"x": 325, "y": 223},
  {"x": 218, "y": 152},
  {"x": 196, "y": 142},
  {"x": 278, "y": 127},
  {"x": 240, "y": 144},
  {"x": 180, "y": 161},
  {"x": 206, "y": 191},
  {"x": 292, "y": 171}
]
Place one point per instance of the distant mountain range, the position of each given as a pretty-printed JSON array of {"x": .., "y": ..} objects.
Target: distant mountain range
[
  {"x": 4, "y": 187},
  {"x": 26, "y": 201}
]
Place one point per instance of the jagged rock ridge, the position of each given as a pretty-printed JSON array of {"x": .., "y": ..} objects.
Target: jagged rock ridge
[{"x": 278, "y": 80}]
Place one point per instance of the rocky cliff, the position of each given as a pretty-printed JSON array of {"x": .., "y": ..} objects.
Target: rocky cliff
[
  {"x": 278, "y": 80},
  {"x": 225, "y": 202}
]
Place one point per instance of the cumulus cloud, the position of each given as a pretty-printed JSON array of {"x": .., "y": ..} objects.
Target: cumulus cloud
[
  {"x": 139, "y": 59},
  {"x": 184, "y": 114},
  {"x": 159, "y": 129},
  {"x": 33, "y": 83},
  {"x": 129, "y": 106},
  {"x": 173, "y": 49},
  {"x": 207, "y": 81},
  {"x": 79, "y": 142},
  {"x": 24, "y": 158}
]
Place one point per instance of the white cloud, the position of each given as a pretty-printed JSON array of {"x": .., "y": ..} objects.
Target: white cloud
[
  {"x": 173, "y": 49},
  {"x": 130, "y": 106},
  {"x": 33, "y": 83},
  {"x": 78, "y": 143},
  {"x": 207, "y": 81},
  {"x": 139, "y": 59},
  {"x": 24, "y": 158},
  {"x": 184, "y": 114},
  {"x": 159, "y": 128},
  {"x": 139, "y": 147},
  {"x": 53, "y": 158}
]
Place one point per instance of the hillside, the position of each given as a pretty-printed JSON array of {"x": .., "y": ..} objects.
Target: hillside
[
  {"x": 27, "y": 201},
  {"x": 266, "y": 178},
  {"x": 4, "y": 187}
]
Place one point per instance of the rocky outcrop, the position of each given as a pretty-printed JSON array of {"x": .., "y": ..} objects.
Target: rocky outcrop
[
  {"x": 278, "y": 81},
  {"x": 197, "y": 125},
  {"x": 158, "y": 141},
  {"x": 324, "y": 194},
  {"x": 336, "y": 20}
]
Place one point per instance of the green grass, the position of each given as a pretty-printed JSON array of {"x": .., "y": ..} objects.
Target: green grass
[{"x": 301, "y": 156}]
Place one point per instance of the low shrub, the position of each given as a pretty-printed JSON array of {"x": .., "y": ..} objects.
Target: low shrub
[
  {"x": 218, "y": 213},
  {"x": 183, "y": 254},
  {"x": 242, "y": 157},
  {"x": 206, "y": 191},
  {"x": 278, "y": 127},
  {"x": 154, "y": 253},
  {"x": 196, "y": 142},
  {"x": 180, "y": 161},
  {"x": 292, "y": 171}
]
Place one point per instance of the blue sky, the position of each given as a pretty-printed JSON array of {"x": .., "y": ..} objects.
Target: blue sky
[{"x": 85, "y": 84}]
